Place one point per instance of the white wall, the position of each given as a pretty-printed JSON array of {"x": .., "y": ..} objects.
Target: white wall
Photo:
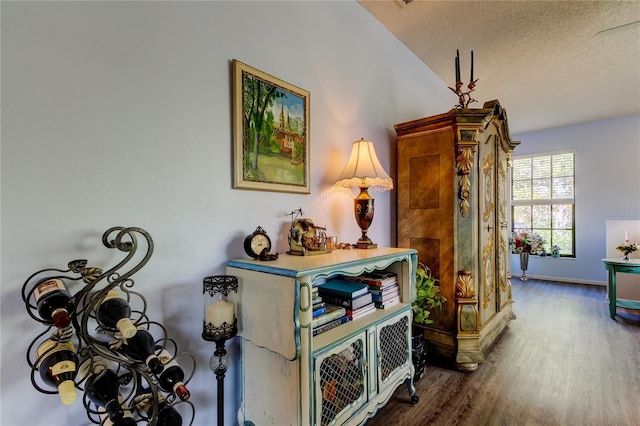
[
  {"x": 119, "y": 113},
  {"x": 607, "y": 154}
]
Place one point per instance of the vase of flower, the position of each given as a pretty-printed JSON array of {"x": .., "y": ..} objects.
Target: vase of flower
[
  {"x": 526, "y": 243},
  {"x": 627, "y": 248},
  {"x": 524, "y": 264}
]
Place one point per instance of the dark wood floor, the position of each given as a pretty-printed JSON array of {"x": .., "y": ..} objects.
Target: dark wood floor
[{"x": 563, "y": 361}]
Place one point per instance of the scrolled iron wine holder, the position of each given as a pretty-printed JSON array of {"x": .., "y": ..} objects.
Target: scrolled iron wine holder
[{"x": 96, "y": 283}]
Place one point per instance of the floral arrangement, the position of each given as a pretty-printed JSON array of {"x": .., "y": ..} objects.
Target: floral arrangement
[
  {"x": 555, "y": 250},
  {"x": 627, "y": 248},
  {"x": 527, "y": 242}
]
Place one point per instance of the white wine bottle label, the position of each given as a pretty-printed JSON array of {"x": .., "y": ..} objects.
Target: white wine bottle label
[
  {"x": 47, "y": 287},
  {"x": 49, "y": 347},
  {"x": 167, "y": 359},
  {"x": 63, "y": 367}
]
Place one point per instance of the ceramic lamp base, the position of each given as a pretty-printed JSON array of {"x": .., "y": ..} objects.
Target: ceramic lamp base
[{"x": 364, "y": 209}]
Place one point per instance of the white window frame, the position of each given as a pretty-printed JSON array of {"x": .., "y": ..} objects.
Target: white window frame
[{"x": 548, "y": 201}]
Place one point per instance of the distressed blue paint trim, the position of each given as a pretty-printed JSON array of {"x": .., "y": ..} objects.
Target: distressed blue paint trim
[
  {"x": 262, "y": 267},
  {"x": 296, "y": 319}
]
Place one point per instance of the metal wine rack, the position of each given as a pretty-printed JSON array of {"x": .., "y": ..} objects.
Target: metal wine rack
[{"x": 92, "y": 339}]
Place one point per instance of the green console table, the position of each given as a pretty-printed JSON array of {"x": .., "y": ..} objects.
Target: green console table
[{"x": 614, "y": 266}]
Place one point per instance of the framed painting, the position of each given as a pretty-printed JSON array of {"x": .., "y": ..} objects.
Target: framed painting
[{"x": 271, "y": 132}]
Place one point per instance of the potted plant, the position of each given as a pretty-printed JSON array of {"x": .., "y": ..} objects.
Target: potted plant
[{"x": 428, "y": 297}]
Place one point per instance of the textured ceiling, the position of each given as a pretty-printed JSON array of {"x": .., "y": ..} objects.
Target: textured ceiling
[{"x": 550, "y": 63}]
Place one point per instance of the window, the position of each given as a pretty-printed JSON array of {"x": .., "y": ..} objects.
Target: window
[{"x": 542, "y": 198}]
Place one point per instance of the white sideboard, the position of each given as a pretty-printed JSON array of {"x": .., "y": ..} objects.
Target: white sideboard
[{"x": 342, "y": 376}]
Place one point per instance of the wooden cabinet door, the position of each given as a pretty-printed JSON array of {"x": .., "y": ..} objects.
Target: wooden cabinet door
[{"x": 487, "y": 249}]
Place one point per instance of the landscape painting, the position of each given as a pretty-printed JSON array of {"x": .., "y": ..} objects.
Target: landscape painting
[{"x": 271, "y": 132}]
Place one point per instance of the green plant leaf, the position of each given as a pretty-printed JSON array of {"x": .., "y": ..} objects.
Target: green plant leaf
[{"x": 427, "y": 297}]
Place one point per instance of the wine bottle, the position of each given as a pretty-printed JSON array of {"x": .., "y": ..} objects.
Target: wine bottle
[
  {"x": 57, "y": 364},
  {"x": 172, "y": 376},
  {"x": 167, "y": 415},
  {"x": 102, "y": 387},
  {"x": 127, "y": 420},
  {"x": 113, "y": 312},
  {"x": 54, "y": 302},
  {"x": 140, "y": 348}
]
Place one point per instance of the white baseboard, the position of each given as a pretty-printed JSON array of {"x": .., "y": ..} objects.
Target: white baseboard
[{"x": 562, "y": 280}]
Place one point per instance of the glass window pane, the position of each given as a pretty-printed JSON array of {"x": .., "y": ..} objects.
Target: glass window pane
[
  {"x": 563, "y": 165},
  {"x": 563, "y": 187},
  {"x": 541, "y": 189},
  {"x": 522, "y": 217},
  {"x": 564, "y": 240},
  {"x": 541, "y": 167},
  {"x": 562, "y": 216},
  {"x": 521, "y": 169},
  {"x": 541, "y": 217},
  {"x": 546, "y": 237},
  {"x": 521, "y": 190}
]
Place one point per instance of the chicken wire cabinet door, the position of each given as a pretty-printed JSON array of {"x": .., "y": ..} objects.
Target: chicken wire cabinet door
[
  {"x": 340, "y": 381},
  {"x": 393, "y": 350},
  {"x": 364, "y": 369}
]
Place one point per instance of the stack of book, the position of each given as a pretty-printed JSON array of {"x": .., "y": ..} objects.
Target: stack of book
[
  {"x": 333, "y": 317},
  {"x": 319, "y": 306},
  {"x": 383, "y": 286},
  {"x": 354, "y": 297}
]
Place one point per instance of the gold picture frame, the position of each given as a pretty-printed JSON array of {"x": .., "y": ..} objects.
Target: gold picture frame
[{"x": 275, "y": 157}]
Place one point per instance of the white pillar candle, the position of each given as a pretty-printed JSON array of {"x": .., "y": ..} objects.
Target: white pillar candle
[
  {"x": 220, "y": 312},
  {"x": 626, "y": 237}
]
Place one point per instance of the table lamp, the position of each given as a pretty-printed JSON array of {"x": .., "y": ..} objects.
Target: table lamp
[{"x": 364, "y": 171}]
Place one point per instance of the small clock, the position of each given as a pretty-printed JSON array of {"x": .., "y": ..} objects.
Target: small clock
[{"x": 254, "y": 244}]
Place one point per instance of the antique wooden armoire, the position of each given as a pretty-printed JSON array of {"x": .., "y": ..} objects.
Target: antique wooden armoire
[{"x": 453, "y": 208}]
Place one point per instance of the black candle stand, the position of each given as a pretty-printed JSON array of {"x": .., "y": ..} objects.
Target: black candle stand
[
  {"x": 464, "y": 98},
  {"x": 219, "y": 287}
]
